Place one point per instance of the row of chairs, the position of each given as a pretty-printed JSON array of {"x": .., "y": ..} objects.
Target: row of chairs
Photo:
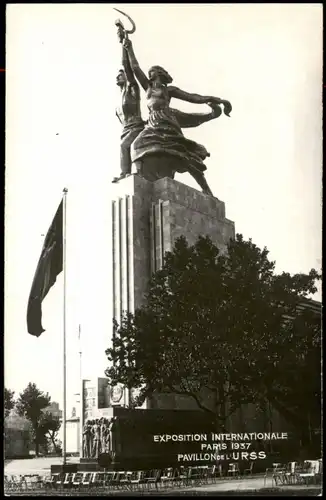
[
  {"x": 132, "y": 479},
  {"x": 157, "y": 478},
  {"x": 296, "y": 473},
  {"x": 23, "y": 482}
]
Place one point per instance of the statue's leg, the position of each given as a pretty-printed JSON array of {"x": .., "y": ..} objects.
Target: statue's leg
[
  {"x": 125, "y": 160},
  {"x": 200, "y": 178}
]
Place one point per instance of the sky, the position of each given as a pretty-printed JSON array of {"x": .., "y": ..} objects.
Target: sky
[{"x": 61, "y": 131}]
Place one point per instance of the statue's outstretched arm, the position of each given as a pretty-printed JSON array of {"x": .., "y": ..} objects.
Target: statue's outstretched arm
[
  {"x": 127, "y": 67},
  {"x": 140, "y": 75},
  {"x": 199, "y": 99},
  {"x": 194, "y": 98}
]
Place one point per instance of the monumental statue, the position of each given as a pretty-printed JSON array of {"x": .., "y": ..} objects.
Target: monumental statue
[
  {"x": 160, "y": 149},
  {"x": 98, "y": 437}
]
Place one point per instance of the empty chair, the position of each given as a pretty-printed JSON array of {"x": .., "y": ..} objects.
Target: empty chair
[
  {"x": 193, "y": 475},
  {"x": 183, "y": 475},
  {"x": 211, "y": 472},
  {"x": 124, "y": 479},
  {"x": 269, "y": 474},
  {"x": 137, "y": 479},
  {"x": 202, "y": 474},
  {"x": 320, "y": 470},
  {"x": 12, "y": 483},
  {"x": 311, "y": 471},
  {"x": 219, "y": 471},
  {"x": 286, "y": 475},
  {"x": 77, "y": 481},
  {"x": 153, "y": 478},
  {"x": 168, "y": 476},
  {"x": 273, "y": 473},
  {"x": 21, "y": 482},
  {"x": 33, "y": 482},
  {"x": 233, "y": 470},
  {"x": 119, "y": 479},
  {"x": 6, "y": 482},
  {"x": 68, "y": 479},
  {"x": 39, "y": 481},
  {"x": 86, "y": 480},
  {"x": 95, "y": 480},
  {"x": 98, "y": 479},
  {"x": 282, "y": 473},
  {"x": 49, "y": 481},
  {"x": 249, "y": 470},
  {"x": 110, "y": 478},
  {"x": 59, "y": 480}
]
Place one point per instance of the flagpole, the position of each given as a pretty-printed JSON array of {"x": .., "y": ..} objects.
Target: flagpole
[
  {"x": 81, "y": 394},
  {"x": 64, "y": 419}
]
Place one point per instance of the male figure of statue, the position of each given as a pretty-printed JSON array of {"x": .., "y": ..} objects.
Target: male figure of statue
[{"x": 129, "y": 112}]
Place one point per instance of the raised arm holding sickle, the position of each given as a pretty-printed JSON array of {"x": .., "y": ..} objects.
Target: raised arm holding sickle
[{"x": 129, "y": 111}]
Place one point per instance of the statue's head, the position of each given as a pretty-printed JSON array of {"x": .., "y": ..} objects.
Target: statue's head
[
  {"x": 157, "y": 73},
  {"x": 121, "y": 78}
]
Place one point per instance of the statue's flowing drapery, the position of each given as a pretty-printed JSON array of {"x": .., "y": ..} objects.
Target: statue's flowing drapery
[{"x": 163, "y": 135}]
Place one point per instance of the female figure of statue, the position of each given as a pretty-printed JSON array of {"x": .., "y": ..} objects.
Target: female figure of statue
[{"x": 163, "y": 135}]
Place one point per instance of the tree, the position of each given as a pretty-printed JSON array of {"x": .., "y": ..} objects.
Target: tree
[
  {"x": 214, "y": 327},
  {"x": 9, "y": 401},
  {"x": 297, "y": 395},
  {"x": 30, "y": 404},
  {"x": 49, "y": 428}
]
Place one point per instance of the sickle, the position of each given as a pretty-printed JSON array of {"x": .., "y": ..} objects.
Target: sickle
[{"x": 133, "y": 29}]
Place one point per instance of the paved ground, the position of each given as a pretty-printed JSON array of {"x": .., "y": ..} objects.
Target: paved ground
[
  {"x": 254, "y": 484},
  {"x": 34, "y": 465},
  {"x": 245, "y": 486}
]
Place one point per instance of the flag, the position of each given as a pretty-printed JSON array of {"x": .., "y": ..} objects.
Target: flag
[{"x": 48, "y": 267}]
